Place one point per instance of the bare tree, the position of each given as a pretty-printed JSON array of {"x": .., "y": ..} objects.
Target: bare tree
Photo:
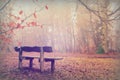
[{"x": 105, "y": 15}]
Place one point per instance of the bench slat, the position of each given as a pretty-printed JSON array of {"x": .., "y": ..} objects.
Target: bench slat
[
  {"x": 33, "y": 49},
  {"x": 52, "y": 58},
  {"x": 47, "y": 58}
]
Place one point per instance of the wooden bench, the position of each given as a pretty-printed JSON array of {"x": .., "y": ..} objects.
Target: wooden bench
[{"x": 41, "y": 57}]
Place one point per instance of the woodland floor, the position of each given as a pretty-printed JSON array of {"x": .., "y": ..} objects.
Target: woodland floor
[{"x": 72, "y": 67}]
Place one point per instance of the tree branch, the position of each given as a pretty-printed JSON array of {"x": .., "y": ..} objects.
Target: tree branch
[
  {"x": 21, "y": 21},
  {"x": 97, "y": 14},
  {"x": 5, "y": 5},
  {"x": 115, "y": 18},
  {"x": 91, "y": 10},
  {"x": 118, "y": 9}
]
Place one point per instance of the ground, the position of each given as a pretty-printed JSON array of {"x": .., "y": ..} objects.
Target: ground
[{"x": 72, "y": 67}]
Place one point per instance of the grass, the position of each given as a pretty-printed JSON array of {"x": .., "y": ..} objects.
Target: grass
[{"x": 70, "y": 68}]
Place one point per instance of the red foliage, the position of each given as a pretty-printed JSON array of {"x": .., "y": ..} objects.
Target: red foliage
[
  {"x": 28, "y": 24},
  {"x": 34, "y": 15},
  {"x": 46, "y": 7},
  {"x": 11, "y": 24},
  {"x": 41, "y": 26},
  {"x": 22, "y": 20},
  {"x": 10, "y": 32},
  {"x": 4, "y": 25},
  {"x": 7, "y": 40},
  {"x": 18, "y": 18},
  {"x": 18, "y": 25},
  {"x": 33, "y": 23},
  {"x": 20, "y": 12},
  {"x": 22, "y": 27},
  {"x": 2, "y": 36}
]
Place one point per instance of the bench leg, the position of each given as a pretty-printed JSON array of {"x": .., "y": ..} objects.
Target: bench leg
[
  {"x": 20, "y": 64},
  {"x": 31, "y": 63},
  {"x": 52, "y": 65},
  {"x": 41, "y": 66}
]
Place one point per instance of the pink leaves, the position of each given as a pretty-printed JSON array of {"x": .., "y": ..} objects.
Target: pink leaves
[
  {"x": 12, "y": 24},
  {"x": 20, "y": 26},
  {"x": 18, "y": 18},
  {"x": 20, "y": 12},
  {"x": 35, "y": 16},
  {"x": 34, "y": 24},
  {"x": 4, "y": 24},
  {"x": 31, "y": 24},
  {"x": 22, "y": 21},
  {"x": 2, "y": 36},
  {"x": 46, "y": 7},
  {"x": 41, "y": 26},
  {"x": 5, "y": 39}
]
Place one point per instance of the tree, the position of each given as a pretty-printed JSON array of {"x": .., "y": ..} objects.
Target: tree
[
  {"x": 105, "y": 15},
  {"x": 10, "y": 21}
]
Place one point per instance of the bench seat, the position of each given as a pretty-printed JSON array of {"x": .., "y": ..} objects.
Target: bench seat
[{"x": 46, "y": 58}]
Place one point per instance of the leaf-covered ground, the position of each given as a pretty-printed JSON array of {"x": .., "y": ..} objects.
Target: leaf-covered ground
[{"x": 80, "y": 67}]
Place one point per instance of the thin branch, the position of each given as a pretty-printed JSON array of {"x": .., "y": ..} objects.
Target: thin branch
[
  {"x": 114, "y": 19},
  {"x": 36, "y": 3},
  {"x": 5, "y": 5},
  {"x": 21, "y": 22},
  {"x": 91, "y": 10},
  {"x": 117, "y": 17},
  {"x": 118, "y": 9},
  {"x": 97, "y": 14}
]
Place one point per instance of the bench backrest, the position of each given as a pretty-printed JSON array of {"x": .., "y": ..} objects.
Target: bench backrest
[{"x": 33, "y": 49}]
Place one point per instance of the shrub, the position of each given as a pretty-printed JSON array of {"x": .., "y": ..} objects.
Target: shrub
[{"x": 100, "y": 50}]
